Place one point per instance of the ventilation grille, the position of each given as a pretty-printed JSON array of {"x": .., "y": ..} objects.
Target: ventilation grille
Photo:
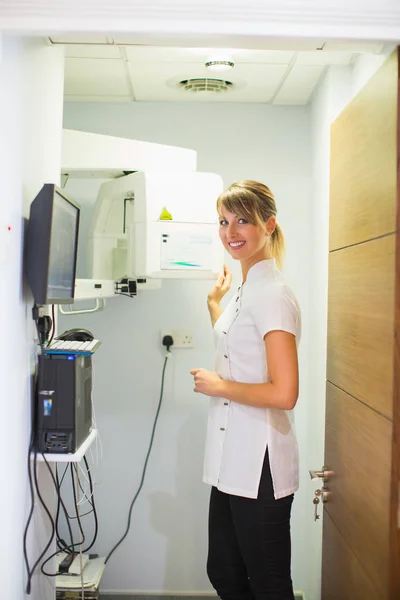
[{"x": 205, "y": 85}]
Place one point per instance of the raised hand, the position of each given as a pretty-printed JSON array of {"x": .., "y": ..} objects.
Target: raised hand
[{"x": 221, "y": 286}]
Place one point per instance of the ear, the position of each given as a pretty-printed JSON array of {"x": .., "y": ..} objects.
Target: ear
[{"x": 270, "y": 226}]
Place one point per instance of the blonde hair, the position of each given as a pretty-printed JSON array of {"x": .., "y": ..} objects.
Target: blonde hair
[{"x": 254, "y": 202}]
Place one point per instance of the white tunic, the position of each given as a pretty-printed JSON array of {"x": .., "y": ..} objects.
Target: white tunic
[{"x": 237, "y": 434}]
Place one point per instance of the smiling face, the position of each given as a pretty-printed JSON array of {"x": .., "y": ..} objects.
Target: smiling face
[
  {"x": 243, "y": 240},
  {"x": 248, "y": 227}
]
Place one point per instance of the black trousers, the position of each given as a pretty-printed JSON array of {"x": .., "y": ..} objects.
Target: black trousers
[{"x": 249, "y": 550}]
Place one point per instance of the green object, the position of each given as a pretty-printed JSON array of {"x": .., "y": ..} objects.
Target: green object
[{"x": 165, "y": 215}]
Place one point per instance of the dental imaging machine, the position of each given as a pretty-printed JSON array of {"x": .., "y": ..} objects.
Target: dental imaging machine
[{"x": 154, "y": 219}]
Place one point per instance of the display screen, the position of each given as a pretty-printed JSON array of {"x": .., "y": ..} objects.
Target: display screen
[{"x": 61, "y": 278}]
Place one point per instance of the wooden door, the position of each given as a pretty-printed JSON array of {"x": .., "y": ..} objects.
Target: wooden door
[{"x": 361, "y": 556}]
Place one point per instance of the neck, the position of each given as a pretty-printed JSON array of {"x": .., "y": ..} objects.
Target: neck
[{"x": 247, "y": 264}]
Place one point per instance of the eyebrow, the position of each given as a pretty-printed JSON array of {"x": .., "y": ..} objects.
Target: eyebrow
[{"x": 237, "y": 216}]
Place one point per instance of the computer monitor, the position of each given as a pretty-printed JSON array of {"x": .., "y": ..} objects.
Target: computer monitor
[{"x": 52, "y": 245}]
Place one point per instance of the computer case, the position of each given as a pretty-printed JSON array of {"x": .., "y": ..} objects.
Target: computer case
[{"x": 64, "y": 406}]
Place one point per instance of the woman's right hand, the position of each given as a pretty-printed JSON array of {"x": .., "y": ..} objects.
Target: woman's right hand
[{"x": 221, "y": 287}]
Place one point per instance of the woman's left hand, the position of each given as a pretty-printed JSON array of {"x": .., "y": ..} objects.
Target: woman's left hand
[{"x": 206, "y": 382}]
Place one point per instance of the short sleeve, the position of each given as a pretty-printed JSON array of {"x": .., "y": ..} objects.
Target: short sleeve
[{"x": 277, "y": 310}]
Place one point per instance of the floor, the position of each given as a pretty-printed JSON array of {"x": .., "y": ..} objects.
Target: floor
[{"x": 133, "y": 597}]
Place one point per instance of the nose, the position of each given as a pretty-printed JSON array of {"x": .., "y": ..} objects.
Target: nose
[{"x": 231, "y": 229}]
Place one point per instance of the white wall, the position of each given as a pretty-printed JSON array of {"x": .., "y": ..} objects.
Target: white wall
[
  {"x": 336, "y": 90},
  {"x": 31, "y": 83},
  {"x": 166, "y": 548}
]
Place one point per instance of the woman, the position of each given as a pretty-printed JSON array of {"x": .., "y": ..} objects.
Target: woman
[{"x": 251, "y": 456}]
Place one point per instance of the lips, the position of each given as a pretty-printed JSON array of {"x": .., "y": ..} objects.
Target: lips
[{"x": 236, "y": 245}]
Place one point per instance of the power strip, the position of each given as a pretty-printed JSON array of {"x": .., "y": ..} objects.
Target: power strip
[{"x": 75, "y": 568}]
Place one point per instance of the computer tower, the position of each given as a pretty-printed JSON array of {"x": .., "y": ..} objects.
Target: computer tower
[{"x": 64, "y": 406}]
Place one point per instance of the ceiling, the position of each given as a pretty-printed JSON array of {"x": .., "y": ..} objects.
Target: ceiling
[{"x": 108, "y": 69}]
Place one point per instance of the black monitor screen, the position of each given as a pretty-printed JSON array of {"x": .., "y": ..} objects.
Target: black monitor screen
[
  {"x": 61, "y": 279},
  {"x": 52, "y": 244}
]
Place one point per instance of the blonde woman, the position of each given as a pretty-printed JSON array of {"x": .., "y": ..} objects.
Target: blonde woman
[{"x": 251, "y": 455}]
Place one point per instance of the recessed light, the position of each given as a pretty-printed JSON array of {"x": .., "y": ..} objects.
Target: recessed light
[{"x": 219, "y": 65}]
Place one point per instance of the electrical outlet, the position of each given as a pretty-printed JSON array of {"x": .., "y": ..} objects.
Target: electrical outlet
[{"x": 183, "y": 338}]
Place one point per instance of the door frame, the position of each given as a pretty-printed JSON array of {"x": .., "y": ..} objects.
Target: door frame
[
  {"x": 190, "y": 22},
  {"x": 394, "y": 572}
]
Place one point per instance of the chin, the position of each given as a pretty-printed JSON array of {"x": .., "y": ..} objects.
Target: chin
[{"x": 233, "y": 255}]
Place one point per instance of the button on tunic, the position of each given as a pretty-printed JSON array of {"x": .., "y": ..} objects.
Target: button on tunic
[{"x": 237, "y": 434}]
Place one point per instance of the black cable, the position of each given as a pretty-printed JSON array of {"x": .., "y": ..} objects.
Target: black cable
[
  {"x": 39, "y": 336},
  {"x": 89, "y": 512},
  {"x": 145, "y": 464},
  {"x": 80, "y": 485},
  {"x": 32, "y": 443},
  {"x": 76, "y": 507},
  {"x": 92, "y": 503},
  {"x": 32, "y": 570},
  {"x": 60, "y": 542},
  {"x": 68, "y": 516},
  {"x": 54, "y": 324},
  {"x": 33, "y": 484},
  {"x": 31, "y": 491},
  {"x": 32, "y": 448},
  {"x": 96, "y": 522},
  {"x": 62, "y": 478},
  {"x": 60, "y": 501},
  {"x": 71, "y": 518},
  {"x": 28, "y": 569},
  {"x": 47, "y": 560},
  {"x": 69, "y": 549},
  {"x": 122, "y": 294}
]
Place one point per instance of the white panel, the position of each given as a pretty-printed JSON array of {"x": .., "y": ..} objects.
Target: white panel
[
  {"x": 92, "y": 51},
  {"x": 201, "y": 55},
  {"x": 78, "y": 39},
  {"x": 253, "y": 83},
  {"x": 324, "y": 58},
  {"x": 189, "y": 197},
  {"x": 93, "y": 77},
  {"x": 270, "y": 43},
  {"x": 91, "y": 152},
  {"x": 368, "y": 46},
  {"x": 298, "y": 87},
  {"x": 271, "y": 57},
  {"x": 165, "y": 54},
  {"x": 196, "y": 243},
  {"x": 89, "y": 98}
]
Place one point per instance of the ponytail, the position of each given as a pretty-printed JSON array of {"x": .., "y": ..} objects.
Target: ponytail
[{"x": 277, "y": 246}]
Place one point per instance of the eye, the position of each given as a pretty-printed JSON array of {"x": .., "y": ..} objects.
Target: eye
[
  {"x": 242, "y": 221},
  {"x": 223, "y": 222}
]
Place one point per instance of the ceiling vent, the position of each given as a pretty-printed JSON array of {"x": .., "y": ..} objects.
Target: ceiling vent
[{"x": 205, "y": 84}]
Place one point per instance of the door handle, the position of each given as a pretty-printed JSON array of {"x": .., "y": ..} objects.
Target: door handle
[{"x": 315, "y": 475}]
